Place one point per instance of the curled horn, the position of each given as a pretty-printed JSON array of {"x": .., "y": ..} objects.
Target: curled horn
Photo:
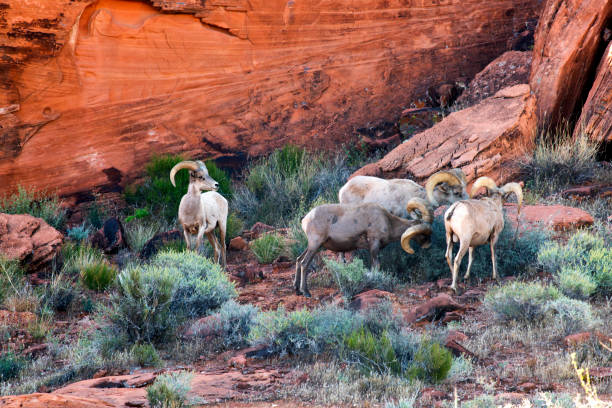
[
  {"x": 421, "y": 205},
  {"x": 418, "y": 229},
  {"x": 484, "y": 181},
  {"x": 186, "y": 164},
  {"x": 517, "y": 190},
  {"x": 444, "y": 176}
]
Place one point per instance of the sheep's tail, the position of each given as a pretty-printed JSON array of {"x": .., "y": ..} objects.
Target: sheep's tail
[{"x": 450, "y": 211}]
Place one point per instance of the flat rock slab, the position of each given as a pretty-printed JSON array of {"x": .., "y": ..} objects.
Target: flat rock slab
[
  {"x": 555, "y": 217},
  {"x": 40, "y": 400}
]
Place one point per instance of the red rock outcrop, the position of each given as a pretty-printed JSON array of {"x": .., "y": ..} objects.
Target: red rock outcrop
[
  {"x": 40, "y": 400},
  {"x": 509, "y": 69},
  {"x": 90, "y": 89},
  {"x": 596, "y": 117},
  {"x": 555, "y": 217},
  {"x": 484, "y": 139},
  {"x": 30, "y": 240},
  {"x": 567, "y": 49}
]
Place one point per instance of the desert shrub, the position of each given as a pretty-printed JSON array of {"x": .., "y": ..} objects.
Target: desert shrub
[
  {"x": 139, "y": 232},
  {"x": 234, "y": 227},
  {"x": 570, "y": 315},
  {"x": 145, "y": 355},
  {"x": 139, "y": 214},
  {"x": 201, "y": 285},
  {"x": 303, "y": 331},
  {"x": 79, "y": 233},
  {"x": 372, "y": 353},
  {"x": 77, "y": 257},
  {"x": 58, "y": 294},
  {"x": 520, "y": 301},
  {"x": 170, "y": 390},
  {"x": 233, "y": 322},
  {"x": 40, "y": 328},
  {"x": 354, "y": 277},
  {"x": 559, "y": 160},
  {"x": 268, "y": 247},
  {"x": 10, "y": 366},
  {"x": 37, "y": 204},
  {"x": 513, "y": 257},
  {"x": 481, "y": 401},
  {"x": 98, "y": 276},
  {"x": 11, "y": 276},
  {"x": 23, "y": 299},
  {"x": 158, "y": 195},
  {"x": 431, "y": 361},
  {"x": 586, "y": 257},
  {"x": 141, "y": 305},
  {"x": 283, "y": 185},
  {"x": 462, "y": 368}
]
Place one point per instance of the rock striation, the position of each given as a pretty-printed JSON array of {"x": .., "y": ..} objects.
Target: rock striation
[{"x": 90, "y": 89}]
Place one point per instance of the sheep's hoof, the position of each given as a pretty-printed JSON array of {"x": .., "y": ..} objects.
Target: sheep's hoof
[
  {"x": 307, "y": 294},
  {"x": 298, "y": 292}
]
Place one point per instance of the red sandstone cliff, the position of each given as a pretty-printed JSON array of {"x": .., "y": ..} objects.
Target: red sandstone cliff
[{"x": 90, "y": 89}]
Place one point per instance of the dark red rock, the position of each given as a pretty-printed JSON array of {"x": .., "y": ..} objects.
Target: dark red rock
[
  {"x": 369, "y": 299},
  {"x": 238, "y": 244},
  {"x": 110, "y": 238},
  {"x": 433, "y": 309}
]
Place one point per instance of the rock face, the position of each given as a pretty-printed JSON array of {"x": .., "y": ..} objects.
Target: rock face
[
  {"x": 484, "y": 139},
  {"x": 30, "y": 240},
  {"x": 40, "y": 400},
  {"x": 596, "y": 117},
  {"x": 569, "y": 42},
  {"x": 89, "y": 90},
  {"x": 509, "y": 69},
  {"x": 555, "y": 217}
]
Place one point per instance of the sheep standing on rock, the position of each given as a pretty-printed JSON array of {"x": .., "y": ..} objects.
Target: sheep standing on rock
[
  {"x": 342, "y": 227},
  {"x": 475, "y": 222},
  {"x": 443, "y": 187},
  {"x": 201, "y": 213}
]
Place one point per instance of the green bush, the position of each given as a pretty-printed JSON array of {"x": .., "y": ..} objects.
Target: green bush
[
  {"x": 98, "y": 276},
  {"x": 157, "y": 193},
  {"x": 431, "y": 361},
  {"x": 153, "y": 300},
  {"x": 58, "y": 294},
  {"x": 10, "y": 366},
  {"x": 234, "y": 227},
  {"x": 170, "y": 390},
  {"x": 571, "y": 315},
  {"x": 585, "y": 260},
  {"x": 11, "y": 276},
  {"x": 201, "y": 285},
  {"x": 79, "y": 233},
  {"x": 233, "y": 321},
  {"x": 353, "y": 277},
  {"x": 145, "y": 355},
  {"x": 372, "y": 353},
  {"x": 298, "y": 239},
  {"x": 36, "y": 204},
  {"x": 268, "y": 247},
  {"x": 282, "y": 186},
  {"x": 77, "y": 257},
  {"x": 139, "y": 232},
  {"x": 520, "y": 301},
  {"x": 513, "y": 257}
]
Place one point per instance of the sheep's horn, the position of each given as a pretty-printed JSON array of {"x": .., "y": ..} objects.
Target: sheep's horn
[
  {"x": 460, "y": 175},
  {"x": 186, "y": 164},
  {"x": 517, "y": 190},
  {"x": 484, "y": 181},
  {"x": 418, "y": 203},
  {"x": 444, "y": 176},
  {"x": 418, "y": 229}
]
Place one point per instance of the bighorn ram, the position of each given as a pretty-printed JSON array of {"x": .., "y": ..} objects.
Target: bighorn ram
[
  {"x": 344, "y": 227},
  {"x": 200, "y": 213},
  {"x": 443, "y": 187},
  {"x": 475, "y": 222}
]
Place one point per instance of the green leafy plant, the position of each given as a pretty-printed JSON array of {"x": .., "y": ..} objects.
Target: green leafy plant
[
  {"x": 98, "y": 276},
  {"x": 233, "y": 323},
  {"x": 431, "y": 361},
  {"x": 234, "y": 227},
  {"x": 10, "y": 366},
  {"x": 371, "y": 352},
  {"x": 268, "y": 247},
  {"x": 37, "y": 204},
  {"x": 76, "y": 257},
  {"x": 520, "y": 301},
  {"x": 79, "y": 233},
  {"x": 139, "y": 232},
  {"x": 170, "y": 390},
  {"x": 353, "y": 277},
  {"x": 139, "y": 213},
  {"x": 145, "y": 355}
]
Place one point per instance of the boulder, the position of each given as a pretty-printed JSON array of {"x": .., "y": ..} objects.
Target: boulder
[
  {"x": 433, "y": 309},
  {"x": 110, "y": 238},
  {"x": 568, "y": 45},
  {"x": 238, "y": 244},
  {"x": 596, "y": 117},
  {"x": 97, "y": 87},
  {"x": 370, "y": 299},
  {"x": 43, "y": 400},
  {"x": 28, "y": 239},
  {"x": 485, "y": 139},
  {"x": 555, "y": 217},
  {"x": 509, "y": 69}
]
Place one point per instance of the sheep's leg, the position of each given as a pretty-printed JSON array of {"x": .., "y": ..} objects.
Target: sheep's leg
[
  {"x": 298, "y": 272},
  {"x": 374, "y": 261},
  {"x": 187, "y": 239},
  {"x": 493, "y": 242},
  {"x": 199, "y": 240},
  {"x": 222, "y": 230},
  {"x": 213, "y": 242},
  {"x": 342, "y": 259},
  {"x": 463, "y": 247},
  {"x": 470, "y": 259},
  {"x": 449, "y": 250},
  {"x": 304, "y": 278}
]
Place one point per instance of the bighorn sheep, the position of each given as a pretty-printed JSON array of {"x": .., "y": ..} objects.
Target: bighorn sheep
[
  {"x": 344, "y": 227},
  {"x": 475, "y": 222},
  {"x": 443, "y": 187},
  {"x": 200, "y": 213}
]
